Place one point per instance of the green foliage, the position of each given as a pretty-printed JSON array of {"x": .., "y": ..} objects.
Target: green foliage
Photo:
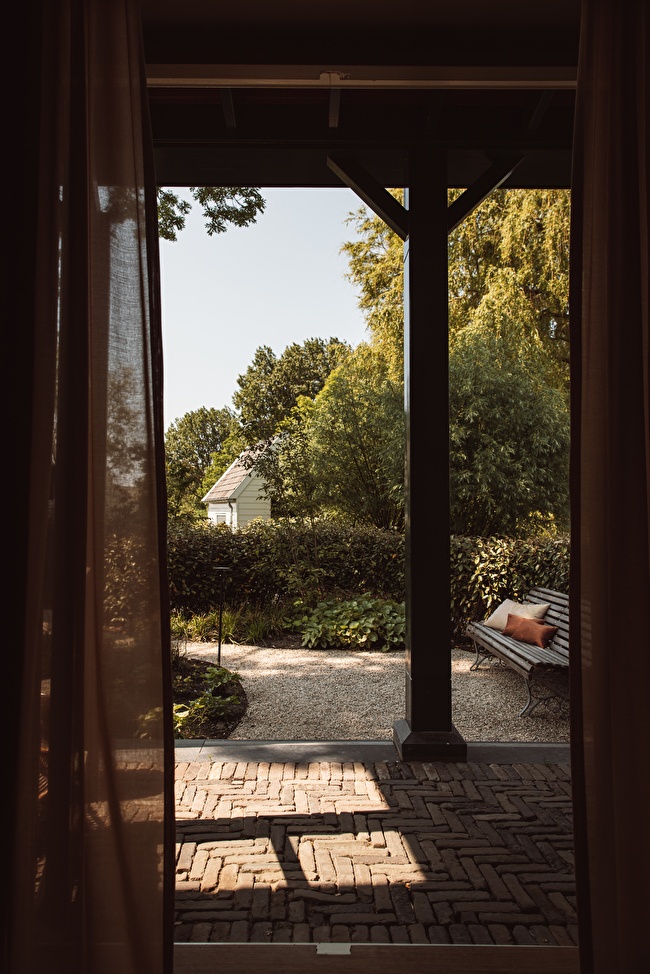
[
  {"x": 357, "y": 439},
  {"x": 243, "y": 624},
  {"x": 191, "y": 443},
  {"x": 363, "y": 623},
  {"x": 485, "y": 571},
  {"x": 376, "y": 264},
  {"x": 291, "y": 482},
  {"x": 231, "y": 448},
  {"x": 509, "y": 440},
  {"x": 512, "y": 249},
  {"x": 216, "y": 701},
  {"x": 271, "y": 562},
  {"x": 238, "y": 206},
  {"x": 271, "y": 386},
  {"x": 342, "y": 565},
  {"x": 342, "y": 454},
  {"x": 513, "y": 252},
  {"x": 508, "y": 320}
]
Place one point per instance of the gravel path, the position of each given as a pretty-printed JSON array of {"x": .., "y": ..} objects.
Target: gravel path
[{"x": 329, "y": 695}]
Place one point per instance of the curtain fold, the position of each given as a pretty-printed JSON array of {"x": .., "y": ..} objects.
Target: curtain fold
[
  {"x": 91, "y": 875},
  {"x": 610, "y": 584}
]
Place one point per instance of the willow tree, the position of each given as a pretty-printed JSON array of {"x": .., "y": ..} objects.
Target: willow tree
[
  {"x": 509, "y": 352},
  {"x": 508, "y": 270}
]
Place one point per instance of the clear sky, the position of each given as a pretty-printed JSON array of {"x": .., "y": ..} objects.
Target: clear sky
[{"x": 278, "y": 281}]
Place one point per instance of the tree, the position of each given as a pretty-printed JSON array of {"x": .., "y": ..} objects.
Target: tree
[
  {"x": 512, "y": 250},
  {"x": 508, "y": 322},
  {"x": 375, "y": 263},
  {"x": 222, "y": 206},
  {"x": 271, "y": 386},
  {"x": 292, "y": 481},
  {"x": 190, "y": 444},
  {"x": 511, "y": 257},
  {"x": 356, "y": 435},
  {"x": 509, "y": 440},
  {"x": 342, "y": 454}
]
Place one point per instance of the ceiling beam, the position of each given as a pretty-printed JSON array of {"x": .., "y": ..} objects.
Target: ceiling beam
[
  {"x": 474, "y": 195},
  {"x": 334, "y": 109},
  {"x": 540, "y": 111},
  {"x": 360, "y": 76},
  {"x": 228, "y": 106},
  {"x": 371, "y": 192}
]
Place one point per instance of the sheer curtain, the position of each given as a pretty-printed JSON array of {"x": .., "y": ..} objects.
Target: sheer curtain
[
  {"x": 90, "y": 880},
  {"x": 610, "y": 585}
]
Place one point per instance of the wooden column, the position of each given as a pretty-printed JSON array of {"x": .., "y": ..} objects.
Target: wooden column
[{"x": 427, "y": 732}]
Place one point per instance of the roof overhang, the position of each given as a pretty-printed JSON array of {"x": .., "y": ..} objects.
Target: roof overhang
[{"x": 477, "y": 79}]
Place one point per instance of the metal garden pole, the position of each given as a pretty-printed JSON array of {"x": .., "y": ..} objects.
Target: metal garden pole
[{"x": 222, "y": 569}]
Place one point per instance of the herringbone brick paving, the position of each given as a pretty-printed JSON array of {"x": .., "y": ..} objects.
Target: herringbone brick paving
[{"x": 386, "y": 852}]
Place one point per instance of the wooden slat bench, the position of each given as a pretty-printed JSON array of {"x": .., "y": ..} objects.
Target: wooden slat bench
[{"x": 545, "y": 671}]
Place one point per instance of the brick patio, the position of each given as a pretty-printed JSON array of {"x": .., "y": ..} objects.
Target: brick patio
[{"x": 342, "y": 843}]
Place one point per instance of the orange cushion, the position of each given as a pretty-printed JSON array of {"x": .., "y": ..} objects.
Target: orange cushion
[{"x": 532, "y": 631}]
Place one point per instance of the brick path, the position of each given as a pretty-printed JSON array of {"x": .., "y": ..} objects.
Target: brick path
[{"x": 313, "y": 851}]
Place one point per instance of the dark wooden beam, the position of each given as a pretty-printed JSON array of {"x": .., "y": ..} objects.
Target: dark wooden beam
[
  {"x": 228, "y": 106},
  {"x": 427, "y": 732},
  {"x": 474, "y": 195},
  {"x": 371, "y": 192},
  {"x": 334, "y": 108},
  {"x": 540, "y": 111},
  {"x": 369, "y": 958},
  {"x": 433, "y": 113}
]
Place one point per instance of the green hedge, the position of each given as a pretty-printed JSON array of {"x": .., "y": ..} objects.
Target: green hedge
[
  {"x": 485, "y": 571},
  {"x": 273, "y": 562}
]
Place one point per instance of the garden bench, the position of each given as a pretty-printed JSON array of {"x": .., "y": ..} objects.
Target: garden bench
[{"x": 545, "y": 670}]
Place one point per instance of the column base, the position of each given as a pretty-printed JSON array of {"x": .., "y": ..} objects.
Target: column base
[{"x": 428, "y": 745}]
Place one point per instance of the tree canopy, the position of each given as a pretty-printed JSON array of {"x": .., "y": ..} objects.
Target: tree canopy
[
  {"x": 357, "y": 438},
  {"x": 509, "y": 352},
  {"x": 272, "y": 385},
  {"x": 190, "y": 445},
  {"x": 508, "y": 264},
  {"x": 509, "y": 441},
  {"x": 509, "y": 269},
  {"x": 342, "y": 454},
  {"x": 221, "y": 207}
]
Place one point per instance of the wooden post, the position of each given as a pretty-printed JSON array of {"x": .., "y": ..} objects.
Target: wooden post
[{"x": 427, "y": 732}]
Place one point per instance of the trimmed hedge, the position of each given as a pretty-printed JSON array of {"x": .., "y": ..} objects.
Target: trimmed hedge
[
  {"x": 273, "y": 562},
  {"x": 485, "y": 571}
]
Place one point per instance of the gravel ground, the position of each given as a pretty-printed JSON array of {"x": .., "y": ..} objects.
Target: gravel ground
[{"x": 330, "y": 695}]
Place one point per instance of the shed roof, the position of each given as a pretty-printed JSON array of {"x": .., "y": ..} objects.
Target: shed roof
[{"x": 233, "y": 481}]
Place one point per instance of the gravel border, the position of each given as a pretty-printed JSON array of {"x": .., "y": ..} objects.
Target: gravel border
[{"x": 316, "y": 694}]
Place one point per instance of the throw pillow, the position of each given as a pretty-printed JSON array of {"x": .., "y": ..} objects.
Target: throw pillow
[
  {"x": 529, "y": 610},
  {"x": 533, "y": 631}
]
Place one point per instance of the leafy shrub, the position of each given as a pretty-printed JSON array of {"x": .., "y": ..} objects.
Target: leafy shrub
[
  {"x": 252, "y": 626},
  {"x": 276, "y": 562},
  {"x": 273, "y": 562},
  {"x": 484, "y": 571},
  {"x": 220, "y": 695},
  {"x": 362, "y": 623}
]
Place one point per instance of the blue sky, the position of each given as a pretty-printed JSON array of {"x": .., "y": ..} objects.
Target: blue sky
[{"x": 279, "y": 281}]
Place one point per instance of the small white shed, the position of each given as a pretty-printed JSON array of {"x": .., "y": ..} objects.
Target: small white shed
[{"x": 238, "y": 496}]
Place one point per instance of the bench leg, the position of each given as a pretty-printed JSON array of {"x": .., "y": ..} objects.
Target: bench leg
[
  {"x": 531, "y": 703},
  {"x": 534, "y": 699},
  {"x": 481, "y": 655}
]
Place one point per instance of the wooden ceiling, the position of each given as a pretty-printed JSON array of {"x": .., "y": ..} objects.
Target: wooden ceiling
[{"x": 262, "y": 93}]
